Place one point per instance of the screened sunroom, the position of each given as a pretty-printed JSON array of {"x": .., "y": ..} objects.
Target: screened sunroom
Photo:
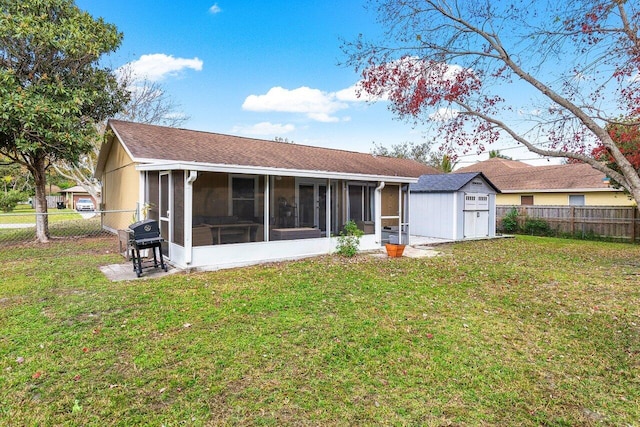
[
  {"x": 224, "y": 201},
  {"x": 242, "y": 218}
]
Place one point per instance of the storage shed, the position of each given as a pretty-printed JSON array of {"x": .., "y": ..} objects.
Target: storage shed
[{"x": 453, "y": 206}]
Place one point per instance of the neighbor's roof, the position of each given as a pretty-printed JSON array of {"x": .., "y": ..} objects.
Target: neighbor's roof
[
  {"x": 151, "y": 144},
  {"x": 511, "y": 176},
  {"x": 445, "y": 183},
  {"x": 74, "y": 189}
]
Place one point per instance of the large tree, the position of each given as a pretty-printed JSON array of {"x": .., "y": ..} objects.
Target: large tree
[
  {"x": 148, "y": 103},
  {"x": 549, "y": 75},
  {"x": 52, "y": 90}
]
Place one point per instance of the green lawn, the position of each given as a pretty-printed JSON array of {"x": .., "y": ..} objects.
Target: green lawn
[{"x": 525, "y": 331}]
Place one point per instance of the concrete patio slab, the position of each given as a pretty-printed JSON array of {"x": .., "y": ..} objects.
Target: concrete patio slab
[{"x": 119, "y": 272}]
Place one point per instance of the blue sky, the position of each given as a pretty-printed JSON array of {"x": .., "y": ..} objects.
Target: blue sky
[{"x": 262, "y": 69}]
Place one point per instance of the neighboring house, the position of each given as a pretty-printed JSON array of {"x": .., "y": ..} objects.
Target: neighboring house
[
  {"x": 224, "y": 201},
  {"x": 557, "y": 185},
  {"x": 453, "y": 206},
  {"x": 72, "y": 194}
]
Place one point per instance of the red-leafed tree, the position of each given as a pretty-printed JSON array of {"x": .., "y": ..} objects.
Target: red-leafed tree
[
  {"x": 550, "y": 76},
  {"x": 626, "y": 135}
]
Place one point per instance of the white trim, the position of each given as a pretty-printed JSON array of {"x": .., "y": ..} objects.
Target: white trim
[
  {"x": 378, "y": 211},
  {"x": 157, "y": 165},
  {"x": 266, "y": 208},
  {"x": 400, "y": 214},
  {"x": 190, "y": 178},
  {"x": 168, "y": 215},
  {"x": 454, "y": 215},
  {"x": 143, "y": 193}
]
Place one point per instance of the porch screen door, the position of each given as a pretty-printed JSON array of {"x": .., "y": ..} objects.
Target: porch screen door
[
  {"x": 312, "y": 206},
  {"x": 164, "y": 211}
]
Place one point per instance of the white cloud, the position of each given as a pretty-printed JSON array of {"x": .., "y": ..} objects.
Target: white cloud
[
  {"x": 215, "y": 9},
  {"x": 355, "y": 93},
  {"x": 323, "y": 117},
  {"x": 264, "y": 129},
  {"x": 157, "y": 66},
  {"x": 314, "y": 103}
]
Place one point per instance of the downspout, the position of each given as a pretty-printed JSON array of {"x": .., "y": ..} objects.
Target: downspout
[
  {"x": 188, "y": 216},
  {"x": 400, "y": 213},
  {"x": 378, "y": 212}
]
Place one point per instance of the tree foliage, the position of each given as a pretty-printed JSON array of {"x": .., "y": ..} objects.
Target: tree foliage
[
  {"x": 626, "y": 135},
  {"x": 15, "y": 177},
  {"x": 423, "y": 153},
  {"x": 496, "y": 154},
  {"x": 406, "y": 150},
  {"x": 546, "y": 75},
  {"x": 52, "y": 90}
]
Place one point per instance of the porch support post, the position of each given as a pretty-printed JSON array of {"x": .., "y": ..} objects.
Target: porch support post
[
  {"x": 328, "y": 209},
  {"x": 400, "y": 214},
  {"x": 190, "y": 177},
  {"x": 267, "y": 207},
  {"x": 407, "y": 206},
  {"x": 142, "y": 197},
  {"x": 378, "y": 212}
]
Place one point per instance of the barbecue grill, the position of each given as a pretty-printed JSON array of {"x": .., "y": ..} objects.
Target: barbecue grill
[{"x": 145, "y": 235}]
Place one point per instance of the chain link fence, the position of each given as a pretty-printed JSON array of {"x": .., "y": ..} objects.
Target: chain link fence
[{"x": 64, "y": 224}]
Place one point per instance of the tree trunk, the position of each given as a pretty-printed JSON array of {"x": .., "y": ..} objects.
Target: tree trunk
[
  {"x": 42, "y": 218},
  {"x": 635, "y": 193}
]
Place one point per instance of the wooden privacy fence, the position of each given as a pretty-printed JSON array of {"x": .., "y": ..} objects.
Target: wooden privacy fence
[{"x": 614, "y": 222}]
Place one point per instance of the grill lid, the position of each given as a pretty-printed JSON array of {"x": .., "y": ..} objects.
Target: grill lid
[{"x": 145, "y": 229}]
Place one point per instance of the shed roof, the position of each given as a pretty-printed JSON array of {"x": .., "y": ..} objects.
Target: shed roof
[
  {"x": 148, "y": 144},
  {"x": 445, "y": 183},
  {"x": 514, "y": 176}
]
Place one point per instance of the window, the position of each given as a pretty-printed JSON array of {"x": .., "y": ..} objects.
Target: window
[
  {"x": 361, "y": 202},
  {"x": 576, "y": 199},
  {"x": 243, "y": 197},
  {"x": 526, "y": 200}
]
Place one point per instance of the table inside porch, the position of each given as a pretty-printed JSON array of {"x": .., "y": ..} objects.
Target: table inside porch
[{"x": 243, "y": 230}]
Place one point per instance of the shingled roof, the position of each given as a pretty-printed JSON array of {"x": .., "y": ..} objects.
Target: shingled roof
[
  {"x": 512, "y": 176},
  {"x": 445, "y": 183},
  {"x": 149, "y": 144}
]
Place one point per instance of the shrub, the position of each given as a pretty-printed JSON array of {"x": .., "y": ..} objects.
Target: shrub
[
  {"x": 349, "y": 239},
  {"x": 510, "y": 221},
  {"x": 536, "y": 227}
]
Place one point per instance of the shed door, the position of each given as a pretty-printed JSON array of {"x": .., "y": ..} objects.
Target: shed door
[
  {"x": 476, "y": 215},
  {"x": 470, "y": 201}
]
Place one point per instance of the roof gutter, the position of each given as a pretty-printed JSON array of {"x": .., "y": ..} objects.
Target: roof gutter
[{"x": 261, "y": 170}]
